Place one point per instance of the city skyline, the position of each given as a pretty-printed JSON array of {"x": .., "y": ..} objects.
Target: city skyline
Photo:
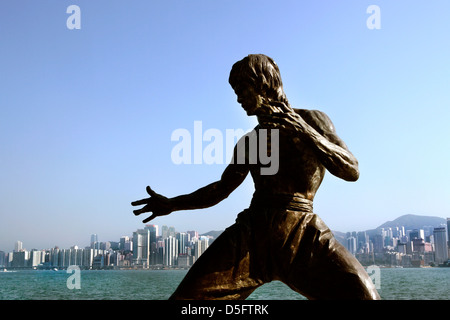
[
  {"x": 117, "y": 239},
  {"x": 87, "y": 114},
  {"x": 14, "y": 246},
  {"x": 165, "y": 247},
  {"x": 147, "y": 247}
]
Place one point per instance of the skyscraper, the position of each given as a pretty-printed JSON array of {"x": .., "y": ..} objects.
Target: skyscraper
[
  {"x": 20, "y": 259},
  {"x": 2, "y": 259},
  {"x": 351, "y": 245},
  {"x": 440, "y": 243},
  {"x": 417, "y": 234},
  {"x": 182, "y": 242},
  {"x": 94, "y": 242},
  {"x": 154, "y": 253},
  {"x": 205, "y": 243},
  {"x": 448, "y": 232},
  {"x": 361, "y": 240},
  {"x": 192, "y": 234},
  {"x": 141, "y": 247},
  {"x": 200, "y": 246},
  {"x": 124, "y": 243},
  {"x": 153, "y": 228},
  {"x": 170, "y": 251},
  {"x": 197, "y": 248},
  {"x": 18, "y": 246},
  {"x": 164, "y": 232}
]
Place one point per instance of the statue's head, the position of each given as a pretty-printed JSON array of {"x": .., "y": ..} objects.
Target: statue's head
[{"x": 256, "y": 79}]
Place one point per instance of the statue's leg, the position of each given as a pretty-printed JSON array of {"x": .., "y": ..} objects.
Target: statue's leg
[
  {"x": 222, "y": 271},
  {"x": 324, "y": 269}
]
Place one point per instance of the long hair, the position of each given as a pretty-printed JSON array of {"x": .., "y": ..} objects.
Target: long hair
[{"x": 261, "y": 72}]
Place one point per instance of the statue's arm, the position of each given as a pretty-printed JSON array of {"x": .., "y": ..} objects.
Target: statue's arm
[
  {"x": 204, "y": 197},
  {"x": 331, "y": 150},
  {"x": 317, "y": 130},
  {"x": 213, "y": 193}
]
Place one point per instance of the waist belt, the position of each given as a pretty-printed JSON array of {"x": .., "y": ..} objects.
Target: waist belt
[{"x": 284, "y": 201}]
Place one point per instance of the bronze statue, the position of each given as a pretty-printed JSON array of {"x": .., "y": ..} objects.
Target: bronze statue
[{"x": 278, "y": 237}]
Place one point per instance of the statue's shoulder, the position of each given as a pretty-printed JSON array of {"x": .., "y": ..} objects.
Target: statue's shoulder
[{"x": 319, "y": 120}]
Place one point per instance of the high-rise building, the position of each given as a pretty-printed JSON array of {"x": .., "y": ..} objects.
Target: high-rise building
[
  {"x": 448, "y": 232},
  {"x": 153, "y": 228},
  {"x": 197, "y": 248},
  {"x": 36, "y": 258},
  {"x": 200, "y": 246},
  {"x": 154, "y": 251},
  {"x": 448, "y": 237},
  {"x": 417, "y": 234},
  {"x": 378, "y": 243},
  {"x": 124, "y": 243},
  {"x": 2, "y": 259},
  {"x": 440, "y": 244},
  {"x": 170, "y": 251},
  {"x": 193, "y": 234},
  {"x": 362, "y": 241},
  {"x": 182, "y": 242},
  {"x": 94, "y": 242},
  {"x": 183, "y": 261},
  {"x": 205, "y": 243},
  {"x": 141, "y": 247},
  {"x": 351, "y": 245},
  {"x": 18, "y": 246},
  {"x": 20, "y": 259},
  {"x": 88, "y": 257},
  {"x": 54, "y": 257},
  {"x": 164, "y": 232}
]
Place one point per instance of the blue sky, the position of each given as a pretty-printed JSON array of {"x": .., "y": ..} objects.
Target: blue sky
[{"x": 86, "y": 115}]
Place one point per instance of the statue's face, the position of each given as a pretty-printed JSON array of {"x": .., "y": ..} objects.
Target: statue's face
[{"x": 249, "y": 99}]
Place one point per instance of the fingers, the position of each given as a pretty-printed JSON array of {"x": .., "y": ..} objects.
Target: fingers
[
  {"x": 283, "y": 117},
  {"x": 146, "y": 200},
  {"x": 283, "y": 106},
  {"x": 153, "y": 216},
  {"x": 140, "y": 202},
  {"x": 139, "y": 211},
  {"x": 280, "y": 120},
  {"x": 148, "y": 206},
  {"x": 151, "y": 192}
]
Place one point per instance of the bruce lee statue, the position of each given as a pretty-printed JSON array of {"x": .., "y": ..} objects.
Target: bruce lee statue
[{"x": 278, "y": 237}]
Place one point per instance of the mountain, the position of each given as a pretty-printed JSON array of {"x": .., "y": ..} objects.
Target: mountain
[
  {"x": 340, "y": 237},
  {"x": 411, "y": 221},
  {"x": 213, "y": 234}
]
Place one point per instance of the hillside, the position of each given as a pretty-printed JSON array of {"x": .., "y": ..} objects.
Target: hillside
[
  {"x": 411, "y": 221},
  {"x": 213, "y": 234}
]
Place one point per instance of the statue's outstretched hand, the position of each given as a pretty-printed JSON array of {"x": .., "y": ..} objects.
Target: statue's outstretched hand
[{"x": 157, "y": 204}]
